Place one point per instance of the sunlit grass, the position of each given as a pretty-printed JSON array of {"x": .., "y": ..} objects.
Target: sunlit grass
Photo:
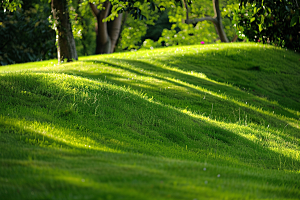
[{"x": 194, "y": 122}]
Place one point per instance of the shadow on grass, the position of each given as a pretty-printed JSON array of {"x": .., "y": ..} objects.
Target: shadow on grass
[
  {"x": 184, "y": 93},
  {"x": 257, "y": 72},
  {"x": 60, "y": 173},
  {"x": 129, "y": 124},
  {"x": 243, "y": 80},
  {"x": 92, "y": 174},
  {"x": 137, "y": 125}
]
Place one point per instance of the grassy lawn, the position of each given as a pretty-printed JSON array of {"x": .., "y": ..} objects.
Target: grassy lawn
[{"x": 195, "y": 122}]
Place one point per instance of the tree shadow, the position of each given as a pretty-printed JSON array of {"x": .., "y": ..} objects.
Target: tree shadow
[
  {"x": 193, "y": 97},
  {"x": 92, "y": 174},
  {"x": 164, "y": 129},
  {"x": 174, "y": 70},
  {"x": 256, "y": 73}
]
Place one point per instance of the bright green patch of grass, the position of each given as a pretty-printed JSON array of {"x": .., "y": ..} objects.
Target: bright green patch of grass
[{"x": 195, "y": 122}]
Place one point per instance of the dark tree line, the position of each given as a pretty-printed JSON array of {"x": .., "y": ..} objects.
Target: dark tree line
[
  {"x": 25, "y": 34},
  {"x": 269, "y": 21}
]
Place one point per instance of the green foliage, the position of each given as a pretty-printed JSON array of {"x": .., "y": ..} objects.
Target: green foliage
[
  {"x": 132, "y": 33},
  {"x": 188, "y": 34},
  {"x": 11, "y": 5},
  {"x": 150, "y": 44},
  {"x": 133, "y": 7},
  {"x": 26, "y": 35},
  {"x": 154, "y": 31},
  {"x": 83, "y": 27},
  {"x": 274, "y": 22},
  {"x": 228, "y": 15},
  {"x": 202, "y": 8},
  {"x": 176, "y": 32},
  {"x": 184, "y": 34},
  {"x": 134, "y": 30}
]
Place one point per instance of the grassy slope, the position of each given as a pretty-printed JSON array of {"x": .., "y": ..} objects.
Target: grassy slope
[{"x": 197, "y": 122}]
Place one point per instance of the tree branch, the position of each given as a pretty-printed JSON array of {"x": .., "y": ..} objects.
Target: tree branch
[
  {"x": 217, "y": 10},
  {"x": 235, "y": 38},
  {"x": 216, "y": 20},
  {"x": 186, "y": 9},
  {"x": 194, "y": 21},
  {"x": 95, "y": 10}
]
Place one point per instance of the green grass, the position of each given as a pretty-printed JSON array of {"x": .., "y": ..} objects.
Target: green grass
[{"x": 194, "y": 122}]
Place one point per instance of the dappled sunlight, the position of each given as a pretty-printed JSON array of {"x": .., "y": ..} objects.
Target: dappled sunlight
[
  {"x": 37, "y": 133},
  {"x": 88, "y": 92},
  {"x": 146, "y": 80},
  {"x": 270, "y": 139},
  {"x": 134, "y": 69},
  {"x": 163, "y": 82},
  {"x": 131, "y": 176},
  {"x": 124, "y": 123}
]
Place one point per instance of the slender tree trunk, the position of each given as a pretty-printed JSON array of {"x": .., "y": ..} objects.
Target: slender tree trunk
[
  {"x": 219, "y": 25},
  {"x": 186, "y": 9},
  {"x": 107, "y": 32},
  {"x": 216, "y": 20},
  {"x": 66, "y": 48},
  {"x": 234, "y": 38}
]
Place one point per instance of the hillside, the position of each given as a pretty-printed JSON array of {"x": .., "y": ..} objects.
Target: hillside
[{"x": 194, "y": 122}]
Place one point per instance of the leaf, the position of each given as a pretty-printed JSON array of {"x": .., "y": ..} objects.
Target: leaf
[
  {"x": 294, "y": 20},
  {"x": 262, "y": 19},
  {"x": 252, "y": 19},
  {"x": 260, "y": 27}
]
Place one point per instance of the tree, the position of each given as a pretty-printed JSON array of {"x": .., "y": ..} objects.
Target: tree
[
  {"x": 270, "y": 21},
  {"x": 11, "y": 5},
  {"x": 107, "y": 32},
  {"x": 66, "y": 48},
  {"x": 109, "y": 21},
  {"x": 109, "y": 16},
  {"x": 216, "y": 20},
  {"x": 25, "y": 33},
  {"x": 83, "y": 27}
]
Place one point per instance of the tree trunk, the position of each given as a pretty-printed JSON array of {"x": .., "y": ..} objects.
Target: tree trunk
[
  {"x": 107, "y": 32},
  {"x": 66, "y": 48},
  {"x": 219, "y": 25},
  {"x": 124, "y": 18},
  {"x": 186, "y": 9},
  {"x": 216, "y": 20},
  {"x": 114, "y": 29},
  {"x": 234, "y": 38}
]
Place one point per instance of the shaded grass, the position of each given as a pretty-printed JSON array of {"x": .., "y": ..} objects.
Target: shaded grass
[{"x": 152, "y": 125}]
